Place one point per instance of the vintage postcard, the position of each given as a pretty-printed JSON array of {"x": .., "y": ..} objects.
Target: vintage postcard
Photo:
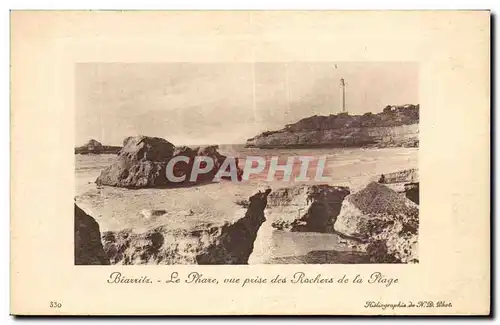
[{"x": 250, "y": 163}]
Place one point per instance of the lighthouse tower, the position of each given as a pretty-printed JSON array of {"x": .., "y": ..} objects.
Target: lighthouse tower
[{"x": 342, "y": 96}]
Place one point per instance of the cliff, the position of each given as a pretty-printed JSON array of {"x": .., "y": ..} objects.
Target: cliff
[{"x": 395, "y": 126}]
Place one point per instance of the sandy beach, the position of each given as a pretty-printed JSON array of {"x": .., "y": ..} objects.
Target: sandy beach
[{"x": 119, "y": 208}]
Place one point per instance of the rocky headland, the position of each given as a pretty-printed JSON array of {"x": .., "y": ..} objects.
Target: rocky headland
[
  {"x": 142, "y": 162},
  {"x": 95, "y": 147},
  {"x": 395, "y": 126}
]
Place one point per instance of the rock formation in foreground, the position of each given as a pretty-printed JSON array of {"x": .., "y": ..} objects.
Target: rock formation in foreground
[
  {"x": 307, "y": 207},
  {"x": 381, "y": 222},
  {"x": 190, "y": 239},
  {"x": 143, "y": 160},
  {"x": 95, "y": 147},
  {"x": 88, "y": 246},
  {"x": 396, "y": 126}
]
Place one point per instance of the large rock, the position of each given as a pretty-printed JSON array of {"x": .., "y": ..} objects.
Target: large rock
[
  {"x": 93, "y": 145},
  {"x": 125, "y": 172},
  {"x": 147, "y": 149},
  {"x": 401, "y": 176},
  {"x": 383, "y": 222},
  {"x": 403, "y": 181},
  {"x": 142, "y": 162},
  {"x": 394, "y": 127},
  {"x": 218, "y": 159},
  {"x": 88, "y": 246},
  {"x": 307, "y": 207},
  {"x": 189, "y": 238}
]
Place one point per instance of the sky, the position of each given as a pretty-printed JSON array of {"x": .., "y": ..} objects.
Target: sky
[{"x": 227, "y": 103}]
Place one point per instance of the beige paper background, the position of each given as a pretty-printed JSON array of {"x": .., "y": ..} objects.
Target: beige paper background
[{"x": 452, "y": 49}]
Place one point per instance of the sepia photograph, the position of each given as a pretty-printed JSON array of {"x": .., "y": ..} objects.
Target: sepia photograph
[
  {"x": 250, "y": 162},
  {"x": 246, "y": 163}
]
